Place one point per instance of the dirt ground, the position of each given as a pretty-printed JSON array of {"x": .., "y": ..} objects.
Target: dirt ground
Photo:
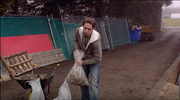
[{"x": 127, "y": 72}]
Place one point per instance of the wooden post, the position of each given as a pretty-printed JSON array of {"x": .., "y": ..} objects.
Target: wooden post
[
  {"x": 28, "y": 63},
  {"x": 21, "y": 59},
  {"x": 7, "y": 66}
]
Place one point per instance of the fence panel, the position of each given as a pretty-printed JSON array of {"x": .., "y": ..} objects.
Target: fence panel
[{"x": 117, "y": 32}]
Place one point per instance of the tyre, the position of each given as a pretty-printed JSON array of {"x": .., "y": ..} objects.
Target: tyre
[
  {"x": 143, "y": 37},
  {"x": 151, "y": 38},
  {"x": 27, "y": 94}
]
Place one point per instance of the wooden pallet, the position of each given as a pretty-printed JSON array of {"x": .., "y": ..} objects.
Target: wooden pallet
[
  {"x": 147, "y": 29},
  {"x": 18, "y": 63}
]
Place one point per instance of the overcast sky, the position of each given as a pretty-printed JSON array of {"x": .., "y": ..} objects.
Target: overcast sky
[{"x": 175, "y": 4}]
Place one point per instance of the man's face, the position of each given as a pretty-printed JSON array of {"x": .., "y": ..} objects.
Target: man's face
[{"x": 87, "y": 29}]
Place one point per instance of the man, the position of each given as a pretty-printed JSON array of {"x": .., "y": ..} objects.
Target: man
[{"x": 88, "y": 40}]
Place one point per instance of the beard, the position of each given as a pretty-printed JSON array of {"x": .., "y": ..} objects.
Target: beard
[{"x": 85, "y": 34}]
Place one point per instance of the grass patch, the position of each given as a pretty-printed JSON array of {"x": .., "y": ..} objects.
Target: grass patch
[{"x": 168, "y": 22}]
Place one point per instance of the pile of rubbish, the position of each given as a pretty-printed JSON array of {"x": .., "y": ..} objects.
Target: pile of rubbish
[{"x": 134, "y": 27}]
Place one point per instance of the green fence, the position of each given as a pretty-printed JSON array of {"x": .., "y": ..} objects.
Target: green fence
[
  {"x": 117, "y": 31},
  {"x": 17, "y": 26},
  {"x": 113, "y": 31},
  {"x": 64, "y": 34}
]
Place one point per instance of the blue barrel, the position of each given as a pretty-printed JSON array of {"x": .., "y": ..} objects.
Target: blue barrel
[{"x": 135, "y": 34}]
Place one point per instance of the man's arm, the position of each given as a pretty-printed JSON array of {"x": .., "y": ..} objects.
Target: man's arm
[{"x": 76, "y": 45}]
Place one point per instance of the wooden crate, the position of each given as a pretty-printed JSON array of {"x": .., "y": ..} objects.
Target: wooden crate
[
  {"x": 18, "y": 63},
  {"x": 147, "y": 29}
]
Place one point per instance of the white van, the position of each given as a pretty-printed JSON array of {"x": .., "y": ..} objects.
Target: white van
[{"x": 175, "y": 15}]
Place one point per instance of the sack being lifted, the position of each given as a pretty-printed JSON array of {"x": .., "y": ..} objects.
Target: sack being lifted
[{"x": 76, "y": 76}]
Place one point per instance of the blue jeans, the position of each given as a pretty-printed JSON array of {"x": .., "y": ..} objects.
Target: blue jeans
[{"x": 92, "y": 73}]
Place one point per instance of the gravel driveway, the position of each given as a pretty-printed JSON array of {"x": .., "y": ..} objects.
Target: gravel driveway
[{"x": 127, "y": 72}]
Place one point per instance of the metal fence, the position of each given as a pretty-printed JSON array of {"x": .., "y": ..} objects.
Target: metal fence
[{"x": 114, "y": 32}]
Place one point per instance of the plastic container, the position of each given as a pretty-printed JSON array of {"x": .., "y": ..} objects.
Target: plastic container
[{"x": 135, "y": 34}]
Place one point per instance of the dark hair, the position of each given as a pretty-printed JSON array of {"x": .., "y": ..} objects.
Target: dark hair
[{"x": 90, "y": 21}]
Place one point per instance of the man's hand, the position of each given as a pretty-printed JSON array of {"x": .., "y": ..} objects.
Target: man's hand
[
  {"x": 76, "y": 51},
  {"x": 79, "y": 63}
]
